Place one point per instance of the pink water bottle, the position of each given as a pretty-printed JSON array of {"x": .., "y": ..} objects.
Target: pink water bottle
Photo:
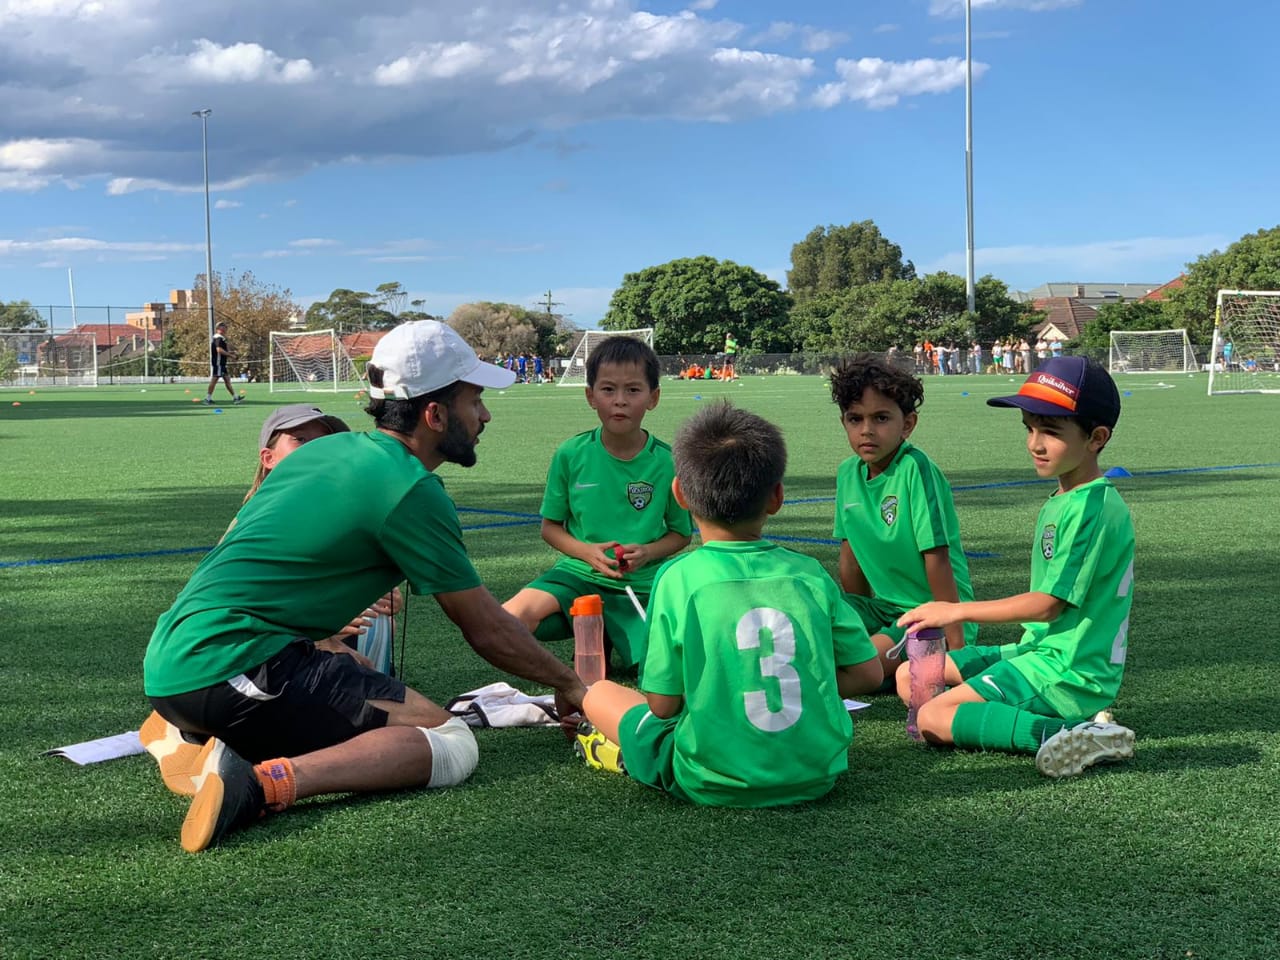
[
  {"x": 588, "y": 638},
  {"x": 927, "y": 655}
]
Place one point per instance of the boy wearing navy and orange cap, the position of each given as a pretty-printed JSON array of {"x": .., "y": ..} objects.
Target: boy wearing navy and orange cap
[{"x": 1049, "y": 692}]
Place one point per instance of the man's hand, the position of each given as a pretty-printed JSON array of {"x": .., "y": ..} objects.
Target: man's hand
[{"x": 334, "y": 644}]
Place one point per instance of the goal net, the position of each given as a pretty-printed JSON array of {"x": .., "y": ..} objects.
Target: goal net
[
  {"x": 42, "y": 358},
  {"x": 314, "y": 360},
  {"x": 1151, "y": 351},
  {"x": 575, "y": 370},
  {"x": 1246, "y": 343}
]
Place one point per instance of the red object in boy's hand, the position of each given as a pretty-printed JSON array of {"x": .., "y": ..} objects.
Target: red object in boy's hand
[{"x": 617, "y": 555}]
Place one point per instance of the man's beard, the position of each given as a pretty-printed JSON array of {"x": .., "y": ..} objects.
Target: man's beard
[{"x": 456, "y": 446}]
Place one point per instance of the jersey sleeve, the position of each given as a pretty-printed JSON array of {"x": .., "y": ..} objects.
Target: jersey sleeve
[
  {"x": 422, "y": 536},
  {"x": 663, "y": 670},
  {"x": 837, "y": 529},
  {"x": 930, "y": 500},
  {"x": 555, "y": 498},
  {"x": 677, "y": 517},
  {"x": 1069, "y": 572}
]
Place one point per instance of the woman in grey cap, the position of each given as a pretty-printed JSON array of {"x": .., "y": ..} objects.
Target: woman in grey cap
[{"x": 285, "y": 430}]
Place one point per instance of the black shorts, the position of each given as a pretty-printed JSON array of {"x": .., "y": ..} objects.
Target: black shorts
[
  {"x": 220, "y": 367},
  {"x": 300, "y": 700}
]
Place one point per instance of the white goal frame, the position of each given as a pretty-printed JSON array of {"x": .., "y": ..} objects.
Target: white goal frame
[
  {"x": 309, "y": 360},
  {"x": 575, "y": 371},
  {"x": 1151, "y": 351},
  {"x": 1250, "y": 321}
]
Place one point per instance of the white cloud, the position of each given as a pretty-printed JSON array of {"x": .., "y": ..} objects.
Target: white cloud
[
  {"x": 10, "y": 248},
  {"x": 226, "y": 204},
  {"x": 1099, "y": 259},
  {"x": 108, "y": 98},
  {"x": 953, "y": 8},
  {"x": 313, "y": 243},
  {"x": 887, "y": 28},
  {"x": 883, "y": 83}
]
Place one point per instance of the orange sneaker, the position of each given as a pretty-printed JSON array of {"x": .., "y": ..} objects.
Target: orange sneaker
[{"x": 175, "y": 754}]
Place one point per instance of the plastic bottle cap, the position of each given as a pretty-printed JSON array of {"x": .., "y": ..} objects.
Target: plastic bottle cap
[{"x": 590, "y": 605}]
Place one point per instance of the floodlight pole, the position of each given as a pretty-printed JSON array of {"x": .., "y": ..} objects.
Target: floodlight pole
[
  {"x": 203, "y": 114},
  {"x": 969, "y": 289}
]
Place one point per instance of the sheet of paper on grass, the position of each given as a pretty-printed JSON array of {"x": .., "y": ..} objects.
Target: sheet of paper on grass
[
  {"x": 855, "y": 705},
  {"x": 104, "y": 748}
]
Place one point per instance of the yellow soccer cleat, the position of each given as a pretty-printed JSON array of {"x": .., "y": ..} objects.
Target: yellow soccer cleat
[{"x": 596, "y": 750}]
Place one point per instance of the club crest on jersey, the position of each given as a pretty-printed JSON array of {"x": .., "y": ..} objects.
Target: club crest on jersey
[
  {"x": 640, "y": 494},
  {"x": 889, "y": 510},
  {"x": 1046, "y": 541}
]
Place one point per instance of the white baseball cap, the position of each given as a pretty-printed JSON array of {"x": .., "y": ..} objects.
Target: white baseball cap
[{"x": 424, "y": 356}]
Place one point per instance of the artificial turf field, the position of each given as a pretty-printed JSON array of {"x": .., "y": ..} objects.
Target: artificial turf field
[{"x": 916, "y": 853}]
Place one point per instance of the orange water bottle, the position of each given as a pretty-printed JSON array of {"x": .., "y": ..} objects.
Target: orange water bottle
[{"x": 588, "y": 638}]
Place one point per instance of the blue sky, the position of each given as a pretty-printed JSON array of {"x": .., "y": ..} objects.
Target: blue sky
[{"x": 495, "y": 150}]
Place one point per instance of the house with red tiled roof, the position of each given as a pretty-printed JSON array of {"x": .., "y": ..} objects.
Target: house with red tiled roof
[
  {"x": 1163, "y": 291},
  {"x": 361, "y": 343},
  {"x": 1066, "y": 318}
]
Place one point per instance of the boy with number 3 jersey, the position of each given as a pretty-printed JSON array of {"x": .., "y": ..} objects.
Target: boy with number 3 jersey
[
  {"x": 1038, "y": 695},
  {"x": 751, "y": 646}
]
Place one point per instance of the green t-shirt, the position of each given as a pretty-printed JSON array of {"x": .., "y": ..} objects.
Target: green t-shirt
[
  {"x": 730, "y": 346},
  {"x": 892, "y": 519},
  {"x": 750, "y": 634},
  {"x": 334, "y": 526},
  {"x": 1083, "y": 555},
  {"x": 600, "y": 498}
]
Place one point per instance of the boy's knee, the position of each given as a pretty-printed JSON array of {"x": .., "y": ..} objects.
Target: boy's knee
[
  {"x": 454, "y": 752},
  {"x": 903, "y": 679}
]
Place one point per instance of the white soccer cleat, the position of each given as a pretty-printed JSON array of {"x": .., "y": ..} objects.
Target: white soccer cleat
[{"x": 1073, "y": 750}]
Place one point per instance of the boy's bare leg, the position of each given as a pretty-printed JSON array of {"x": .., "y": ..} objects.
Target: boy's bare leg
[
  {"x": 531, "y": 607},
  {"x": 605, "y": 704}
]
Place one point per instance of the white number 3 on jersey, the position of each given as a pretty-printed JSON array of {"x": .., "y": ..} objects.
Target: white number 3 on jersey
[{"x": 776, "y": 665}]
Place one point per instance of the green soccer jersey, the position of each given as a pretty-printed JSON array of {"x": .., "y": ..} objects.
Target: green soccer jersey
[
  {"x": 600, "y": 499},
  {"x": 892, "y": 519},
  {"x": 750, "y": 634},
  {"x": 333, "y": 527},
  {"x": 1083, "y": 555}
]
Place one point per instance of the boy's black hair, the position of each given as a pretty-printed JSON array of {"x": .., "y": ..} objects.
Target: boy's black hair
[
  {"x": 402, "y": 416},
  {"x": 728, "y": 461},
  {"x": 1087, "y": 424},
  {"x": 853, "y": 376},
  {"x": 623, "y": 350}
]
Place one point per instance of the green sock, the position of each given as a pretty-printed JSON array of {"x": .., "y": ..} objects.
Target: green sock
[{"x": 998, "y": 726}]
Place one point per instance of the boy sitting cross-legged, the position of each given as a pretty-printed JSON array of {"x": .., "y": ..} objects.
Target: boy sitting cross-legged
[
  {"x": 895, "y": 517},
  {"x": 1038, "y": 695},
  {"x": 751, "y": 646},
  {"x": 608, "y": 506}
]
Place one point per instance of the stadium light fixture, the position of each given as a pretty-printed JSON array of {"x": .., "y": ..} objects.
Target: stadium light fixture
[{"x": 203, "y": 114}]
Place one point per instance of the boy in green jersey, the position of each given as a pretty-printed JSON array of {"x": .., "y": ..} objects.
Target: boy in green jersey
[
  {"x": 608, "y": 506},
  {"x": 1038, "y": 695},
  {"x": 895, "y": 518},
  {"x": 751, "y": 646}
]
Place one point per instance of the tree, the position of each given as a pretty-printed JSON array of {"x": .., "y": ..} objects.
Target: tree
[
  {"x": 19, "y": 315},
  {"x": 251, "y": 308},
  {"x": 8, "y": 362},
  {"x": 1134, "y": 315},
  {"x": 391, "y": 297},
  {"x": 349, "y": 310},
  {"x": 502, "y": 328},
  {"x": 875, "y": 316},
  {"x": 834, "y": 259},
  {"x": 1251, "y": 263},
  {"x": 693, "y": 303}
]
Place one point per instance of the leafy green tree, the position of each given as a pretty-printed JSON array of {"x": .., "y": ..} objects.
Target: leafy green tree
[
  {"x": 1251, "y": 263},
  {"x": 1133, "y": 315},
  {"x": 8, "y": 362},
  {"x": 501, "y": 328},
  {"x": 833, "y": 259},
  {"x": 902, "y": 312},
  {"x": 19, "y": 315},
  {"x": 350, "y": 310},
  {"x": 693, "y": 303}
]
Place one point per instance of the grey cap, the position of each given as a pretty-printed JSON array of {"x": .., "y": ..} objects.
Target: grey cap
[{"x": 282, "y": 418}]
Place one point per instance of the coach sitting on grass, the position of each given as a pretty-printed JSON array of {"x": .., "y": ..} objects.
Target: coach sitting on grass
[{"x": 343, "y": 519}]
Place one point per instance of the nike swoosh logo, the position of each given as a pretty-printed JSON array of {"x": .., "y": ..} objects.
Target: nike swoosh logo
[
  {"x": 994, "y": 686},
  {"x": 585, "y": 486}
]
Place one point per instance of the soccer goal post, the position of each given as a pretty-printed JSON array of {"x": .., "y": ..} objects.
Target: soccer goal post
[
  {"x": 1151, "y": 351},
  {"x": 575, "y": 370},
  {"x": 65, "y": 359},
  {"x": 312, "y": 360},
  {"x": 1245, "y": 357}
]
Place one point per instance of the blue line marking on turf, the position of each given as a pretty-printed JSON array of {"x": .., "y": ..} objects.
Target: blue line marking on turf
[{"x": 523, "y": 519}]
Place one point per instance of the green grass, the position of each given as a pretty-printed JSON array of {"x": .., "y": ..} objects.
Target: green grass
[{"x": 916, "y": 853}]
